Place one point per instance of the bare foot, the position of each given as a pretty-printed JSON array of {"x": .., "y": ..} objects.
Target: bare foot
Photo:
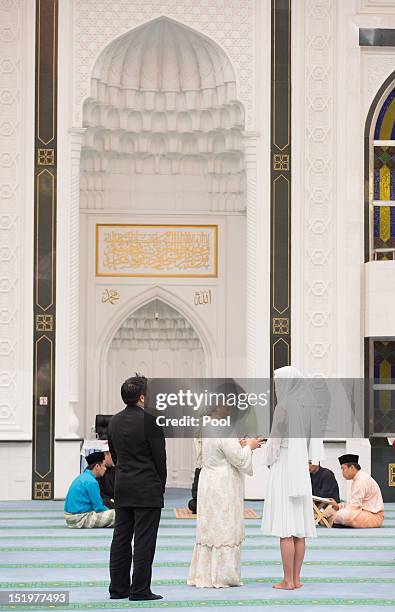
[
  {"x": 298, "y": 584},
  {"x": 287, "y": 586}
]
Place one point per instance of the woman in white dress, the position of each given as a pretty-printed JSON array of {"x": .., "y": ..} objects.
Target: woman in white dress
[
  {"x": 288, "y": 510},
  {"x": 220, "y": 514}
]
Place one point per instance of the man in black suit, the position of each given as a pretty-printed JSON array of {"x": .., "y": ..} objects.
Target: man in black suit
[{"x": 137, "y": 446}]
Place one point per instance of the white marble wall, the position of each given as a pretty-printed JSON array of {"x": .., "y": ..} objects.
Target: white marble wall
[
  {"x": 379, "y": 299},
  {"x": 334, "y": 83},
  {"x": 16, "y": 222},
  {"x": 16, "y": 479}
]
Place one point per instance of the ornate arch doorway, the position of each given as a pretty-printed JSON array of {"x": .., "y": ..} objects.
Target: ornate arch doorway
[{"x": 158, "y": 341}]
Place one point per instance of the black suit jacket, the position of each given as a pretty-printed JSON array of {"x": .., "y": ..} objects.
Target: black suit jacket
[
  {"x": 324, "y": 484},
  {"x": 107, "y": 485},
  {"x": 138, "y": 450}
]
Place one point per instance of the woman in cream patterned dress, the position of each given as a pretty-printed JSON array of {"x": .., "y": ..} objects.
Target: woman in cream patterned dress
[{"x": 220, "y": 514}]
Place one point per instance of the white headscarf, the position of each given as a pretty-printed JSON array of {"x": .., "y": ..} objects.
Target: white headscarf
[{"x": 294, "y": 411}]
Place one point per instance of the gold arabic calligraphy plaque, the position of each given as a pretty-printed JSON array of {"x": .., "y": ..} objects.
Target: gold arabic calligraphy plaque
[{"x": 157, "y": 250}]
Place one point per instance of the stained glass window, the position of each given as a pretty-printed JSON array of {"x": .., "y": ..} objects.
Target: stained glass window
[
  {"x": 384, "y": 386},
  {"x": 385, "y": 124},
  {"x": 382, "y": 247},
  {"x": 383, "y": 172}
]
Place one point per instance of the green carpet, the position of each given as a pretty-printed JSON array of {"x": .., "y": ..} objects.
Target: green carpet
[{"x": 344, "y": 569}]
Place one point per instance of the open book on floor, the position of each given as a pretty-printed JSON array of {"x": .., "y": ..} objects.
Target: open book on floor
[{"x": 321, "y": 499}]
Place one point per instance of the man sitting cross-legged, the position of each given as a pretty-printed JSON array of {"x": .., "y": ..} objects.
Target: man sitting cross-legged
[
  {"x": 83, "y": 505},
  {"x": 365, "y": 509}
]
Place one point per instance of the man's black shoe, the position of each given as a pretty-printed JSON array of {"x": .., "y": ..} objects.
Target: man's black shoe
[
  {"x": 149, "y": 597},
  {"x": 112, "y": 596}
]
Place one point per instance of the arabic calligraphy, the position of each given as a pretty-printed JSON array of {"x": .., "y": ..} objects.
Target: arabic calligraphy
[
  {"x": 110, "y": 296},
  {"x": 202, "y": 297},
  {"x": 164, "y": 251},
  {"x": 156, "y": 250}
]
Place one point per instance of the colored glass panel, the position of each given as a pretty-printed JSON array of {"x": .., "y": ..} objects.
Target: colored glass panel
[
  {"x": 385, "y": 223},
  {"x": 384, "y": 411},
  {"x": 384, "y": 189},
  {"x": 385, "y": 125},
  {"x": 384, "y": 360},
  {"x": 384, "y": 173},
  {"x": 384, "y": 183},
  {"x": 384, "y": 373},
  {"x": 384, "y": 228}
]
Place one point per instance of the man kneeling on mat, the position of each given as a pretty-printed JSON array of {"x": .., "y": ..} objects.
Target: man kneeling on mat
[{"x": 83, "y": 505}]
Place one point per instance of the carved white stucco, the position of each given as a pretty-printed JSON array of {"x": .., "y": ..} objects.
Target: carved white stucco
[
  {"x": 163, "y": 125},
  {"x": 230, "y": 24},
  {"x": 16, "y": 224}
]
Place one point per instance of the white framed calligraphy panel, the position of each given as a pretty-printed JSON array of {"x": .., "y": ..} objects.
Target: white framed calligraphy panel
[{"x": 157, "y": 250}]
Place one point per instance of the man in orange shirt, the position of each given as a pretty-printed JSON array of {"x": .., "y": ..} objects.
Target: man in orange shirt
[{"x": 365, "y": 509}]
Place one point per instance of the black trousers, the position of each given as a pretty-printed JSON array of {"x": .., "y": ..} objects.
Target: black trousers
[{"x": 142, "y": 523}]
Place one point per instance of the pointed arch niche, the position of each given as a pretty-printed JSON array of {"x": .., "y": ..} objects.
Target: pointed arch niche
[
  {"x": 160, "y": 340},
  {"x": 155, "y": 339}
]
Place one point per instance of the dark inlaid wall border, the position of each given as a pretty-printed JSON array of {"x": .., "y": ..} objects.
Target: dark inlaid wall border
[
  {"x": 376, "y": 37},
  {"x": 280, "y": 235},
  {"x": 44, "y": 291}
]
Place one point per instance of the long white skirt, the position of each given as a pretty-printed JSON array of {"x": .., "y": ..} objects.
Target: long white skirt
[
  {"x": 284, "y": 516},
  {"x": 215, "y": 566}
]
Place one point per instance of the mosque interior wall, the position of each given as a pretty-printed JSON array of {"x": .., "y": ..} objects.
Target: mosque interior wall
[{"x": 134, "y": 155}]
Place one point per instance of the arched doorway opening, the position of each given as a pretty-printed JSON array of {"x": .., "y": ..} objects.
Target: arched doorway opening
[{"x": 158, "y": 341}]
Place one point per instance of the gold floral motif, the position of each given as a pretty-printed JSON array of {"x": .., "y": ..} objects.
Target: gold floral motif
[
  {"x": 44, "y": 322},
  {"x": 45, "y": 157},
  {"x": 280, "y": 325},
  {"x": 280, "y": 161},
  {"x": 42, "y": 490}
]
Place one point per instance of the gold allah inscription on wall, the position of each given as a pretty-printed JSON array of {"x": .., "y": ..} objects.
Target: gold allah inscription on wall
[
  {"x": 391, "y": 474},
  {"x": 156, "y": 250}
]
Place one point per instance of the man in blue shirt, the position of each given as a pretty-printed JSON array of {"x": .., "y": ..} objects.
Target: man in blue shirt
[{"x": 84, "y": 506}]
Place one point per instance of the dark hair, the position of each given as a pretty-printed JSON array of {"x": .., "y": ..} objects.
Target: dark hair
[
  {"x": 356, "y": 465},
  {"x": 92, "y": 465},
  {"x": 132, "y": 388}
]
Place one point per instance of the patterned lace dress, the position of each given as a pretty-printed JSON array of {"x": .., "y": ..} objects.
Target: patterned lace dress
[{"x": 220, "y": 519}]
